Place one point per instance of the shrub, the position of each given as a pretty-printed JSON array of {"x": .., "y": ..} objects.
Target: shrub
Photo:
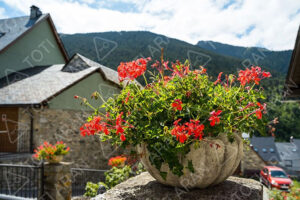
[{"x": 91, "y": 189}]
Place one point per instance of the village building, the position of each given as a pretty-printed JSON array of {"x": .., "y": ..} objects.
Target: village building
[
  {"x": 37, "y": 86},
  {"x": 265, "y": 147},
  {"x": 289, "y": 153}
]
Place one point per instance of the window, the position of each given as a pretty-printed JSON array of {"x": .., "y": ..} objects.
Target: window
[
  {"x": 288, "y": 163},
  {"x": 278, "y": 174},
  {"x": 255, "y": 149},
  {"x": 264, "y": 150},
  {"x": 2, "y": 34},
  {"x": 272, "y": 150}
]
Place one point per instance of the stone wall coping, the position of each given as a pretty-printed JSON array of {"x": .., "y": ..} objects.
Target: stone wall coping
[{"x": 145, "y": 186}]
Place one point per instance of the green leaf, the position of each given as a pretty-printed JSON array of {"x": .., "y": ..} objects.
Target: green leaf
[
  {"x": 163, "y": 175},
  {"x": 190, "y": 166}
]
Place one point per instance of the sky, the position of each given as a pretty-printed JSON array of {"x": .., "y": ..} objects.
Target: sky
[{"x": 271, "y": 24}]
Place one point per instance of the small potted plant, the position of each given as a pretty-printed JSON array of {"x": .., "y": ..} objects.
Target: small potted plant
[
  {"x": 51, "y": 153},
  {"x": 185, "y": 127},
  {"x": 118, "y": 161}
]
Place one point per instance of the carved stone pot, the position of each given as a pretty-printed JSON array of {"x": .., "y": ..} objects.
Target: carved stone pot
[
  {"x": 214, "y": 161},
  {"x": 56, "y": 159}
]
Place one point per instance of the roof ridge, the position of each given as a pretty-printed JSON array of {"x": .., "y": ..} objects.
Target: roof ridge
[{"x": 21, "y": 17}]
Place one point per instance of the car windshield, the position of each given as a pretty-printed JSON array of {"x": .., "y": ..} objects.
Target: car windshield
[{"x": 278, "y": 174}]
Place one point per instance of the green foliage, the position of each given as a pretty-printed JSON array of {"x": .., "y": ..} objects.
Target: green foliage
[
  {"x": 150, "y": 112},
  {"x": 115, "y": 175},
  {"x": 294, "y": 194},
  {"x": 91, "y": 189}
]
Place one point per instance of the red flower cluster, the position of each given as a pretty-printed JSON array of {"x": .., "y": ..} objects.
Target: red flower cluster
[
  {"x": 49, "y": 151},
  {"x": 214, "y": 117},
  {"x": 258, "y": 111},
  {"x": 261, "y": 108},
  {"x": 117, "y": 161},
  {"x": 177, "y": 104},
  {"x": 252, "y": 75},
  {"x": 132, "y": 70},
  {"x": 94, "y": 126},
  {"x": 183, "y": 132},
  {"x": 97, "y": 125}
]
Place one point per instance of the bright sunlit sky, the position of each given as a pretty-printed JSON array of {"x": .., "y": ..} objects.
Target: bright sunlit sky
[{"x": 272, "y": 24}]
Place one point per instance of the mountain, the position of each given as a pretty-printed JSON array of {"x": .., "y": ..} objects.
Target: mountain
[
  {"x": 277, "y": 60},
  {"x": 111, "y": 48}
]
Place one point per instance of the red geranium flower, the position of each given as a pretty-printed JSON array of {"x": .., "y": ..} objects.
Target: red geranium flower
[
  {"x": 97, "y": 125},
  {"x": 252, "y": 75},
  {"x": 117, "y": 161},
  {"x": 122, "y": 137},
  {"x": 258, "y": 114},
  {"x": 214, "y": 117},
  {"x": 188, "y": 129},
  {"x": 177, "y": 104},
  {"x": 132, "y": 70}
]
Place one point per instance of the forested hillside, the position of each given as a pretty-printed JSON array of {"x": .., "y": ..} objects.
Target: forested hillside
[
  {"x": 277, "y": 60},
  {"x": 111, "y": 48}
]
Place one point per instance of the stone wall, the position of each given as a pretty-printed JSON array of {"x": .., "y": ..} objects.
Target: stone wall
[
  {"x": 63, "y": 125},
  {"x": 144, "y": 187},
  {"x": 24, "y": 128},
  {"x": 251, "y": 162}
]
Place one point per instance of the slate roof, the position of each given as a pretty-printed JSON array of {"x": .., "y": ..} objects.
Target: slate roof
[
  {"x": 13, "y": 28},
  {"x": 39, "y": 84},
  {"x": 290, "y": 152},
  {"x": 265, "y": 143}
]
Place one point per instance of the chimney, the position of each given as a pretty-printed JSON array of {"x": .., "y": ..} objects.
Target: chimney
[
  {"x": 292, "y": 139},
  {"x": 35, "y": 12}
]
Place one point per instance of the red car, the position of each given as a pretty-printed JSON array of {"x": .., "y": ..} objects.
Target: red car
[{"x": 275, "y": 177}]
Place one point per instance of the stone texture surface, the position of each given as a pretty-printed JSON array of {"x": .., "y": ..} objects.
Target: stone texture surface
[
  {"x": 212, "y": 164},
  {"x": 55, "y": 125},
  {"x": 251, "y": 161},
  {"x": 57, "y": 181},
  {"x": 145, "y": 187}
]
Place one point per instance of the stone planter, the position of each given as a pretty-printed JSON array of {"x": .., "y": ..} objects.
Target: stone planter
[
  {"x": 212, "y": 165},
  {"x": 56, "y": 159}
]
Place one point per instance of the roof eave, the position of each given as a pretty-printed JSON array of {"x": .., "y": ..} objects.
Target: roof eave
[
  {"x": 59, "y": 42},
  {"x": 291, "y": 88}
]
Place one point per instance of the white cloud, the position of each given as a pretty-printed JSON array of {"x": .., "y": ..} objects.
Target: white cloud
[
  {"x": 275, "y": 22},
  {"x": 2, "y": 15}
]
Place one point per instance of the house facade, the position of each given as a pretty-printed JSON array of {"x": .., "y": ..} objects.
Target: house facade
[
  {"x": 37, "y": 94},
  {"x": 29, "y": 41}
]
